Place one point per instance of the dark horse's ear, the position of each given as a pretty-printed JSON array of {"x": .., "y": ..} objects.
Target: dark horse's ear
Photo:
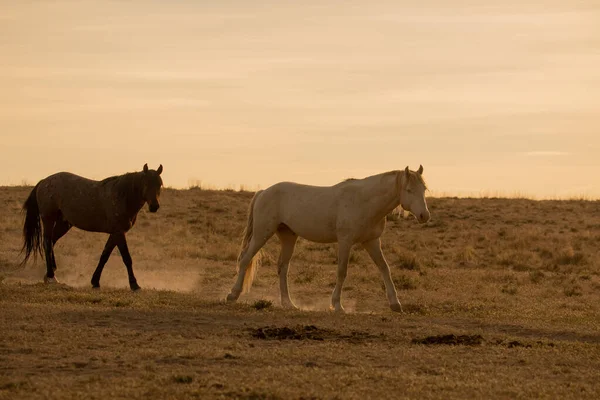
[
  {"x": 145, "y": 167},
  {"x": 406, "y": 171},
  {"x": 420, "y": 171},
  {"x": 159, "y": 170}
]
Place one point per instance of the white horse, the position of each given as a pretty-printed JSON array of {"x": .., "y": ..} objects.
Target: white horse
[{"x": 351, "y": 212}]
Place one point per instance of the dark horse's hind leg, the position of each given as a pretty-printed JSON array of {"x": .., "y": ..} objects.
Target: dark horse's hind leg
[
  {"x": 60, "y": 229},
  {"x": 116, "y": 239},
  {"x": 49, "y": 224}
]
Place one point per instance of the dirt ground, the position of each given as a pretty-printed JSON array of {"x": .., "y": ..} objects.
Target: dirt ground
[{"x": 501, "y": 299}]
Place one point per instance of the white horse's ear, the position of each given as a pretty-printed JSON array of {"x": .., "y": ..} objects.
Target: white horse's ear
[
  {"x": 145, "y": 167},
  {"x": 420, "y": 171},
  {"x": 159, "y": 170}
]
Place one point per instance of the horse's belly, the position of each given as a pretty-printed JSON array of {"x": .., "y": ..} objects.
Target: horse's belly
[
  {"x": 85, "y": 215},
  {"x": 87, "y": 223},
  {"x": 318, "y": 237},
  {"x": 319, "y": 231}
]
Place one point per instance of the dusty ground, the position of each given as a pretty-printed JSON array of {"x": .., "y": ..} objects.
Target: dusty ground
[{"x": 501, "y": 299}]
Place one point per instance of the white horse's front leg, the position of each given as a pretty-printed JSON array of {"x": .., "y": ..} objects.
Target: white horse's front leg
[
  {"x": 373, "y": 247},
  {"x": 343, "y": 255},
  {"x": 286, "y": 300}
]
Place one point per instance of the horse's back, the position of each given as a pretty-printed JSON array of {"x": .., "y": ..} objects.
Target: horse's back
[
  {"x": 68, "y": 180},
  {"x": 80, "y": 200},
  {"x": 64, "y": 185},
  {"x": 309, "y": 211},
  {"x": 295, "y": 196}
]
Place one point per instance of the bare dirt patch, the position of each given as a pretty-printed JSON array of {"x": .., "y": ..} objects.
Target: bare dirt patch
[
  {"x": 455, "y": 340},
  {"x": 309, "y": 332},
  {"x": 476, "y": 340}
]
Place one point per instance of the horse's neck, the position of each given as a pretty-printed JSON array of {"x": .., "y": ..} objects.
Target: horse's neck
[
  {"x": 134, "y": 206},
  {"x": 135, "y": 200},
  {"x": 383, "y": 194},
  {"x": 129, "y": 191}
]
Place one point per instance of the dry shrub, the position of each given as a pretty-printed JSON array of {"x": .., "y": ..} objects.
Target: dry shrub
[
  {"x": 536, "y": 276},
  {"x": 568, "y": 256},
  {"x": 567, "y": 261},
  {"x": 572, "y": 290},
  {"x": 510, "y": 289},
  {"x": 262, "y": 304},
  {"x": 408, "y": 262},
  {"x": 466, "y": 256},
  {"x": 519, "y": 260},
  {"x": 403, "y": 282},
  {"x": 306, "y": 275}
]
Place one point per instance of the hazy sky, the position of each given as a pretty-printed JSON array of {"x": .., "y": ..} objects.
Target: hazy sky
[{"x": 490, "y": 96}]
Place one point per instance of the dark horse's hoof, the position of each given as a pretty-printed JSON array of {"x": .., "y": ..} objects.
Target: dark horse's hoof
[{"x": 134, "y": 286}]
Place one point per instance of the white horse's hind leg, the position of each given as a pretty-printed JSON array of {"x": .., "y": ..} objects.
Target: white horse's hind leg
[
  {"x": 245, "y": 261},
  {"x": 253, "y": 247},
  {"x": 343, "y": 256},
  {"x": 288, "y": 242},
  {"x": 373, "y": 247}
]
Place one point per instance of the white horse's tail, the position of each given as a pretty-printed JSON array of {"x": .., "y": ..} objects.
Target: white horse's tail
[{"x": 255, "y": 261}]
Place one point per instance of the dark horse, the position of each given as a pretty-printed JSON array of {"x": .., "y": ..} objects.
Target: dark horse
[{"x": 63, "y": 200}]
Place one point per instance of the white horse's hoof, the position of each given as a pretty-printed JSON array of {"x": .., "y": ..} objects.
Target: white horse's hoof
[
  {"x": 50, "y": 280},
  {"x": 396, "y": 307},
  {"x": 289, "y": 306},
  {"x": 338, "y": 309}
]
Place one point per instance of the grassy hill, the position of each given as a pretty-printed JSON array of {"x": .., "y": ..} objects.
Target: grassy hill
[{"x": 516, "y": 281}]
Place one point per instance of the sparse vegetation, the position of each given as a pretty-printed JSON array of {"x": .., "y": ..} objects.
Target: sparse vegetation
[
  {"x": 510, "y": 278},
  {"x": 536, "y": 276},
  {"x": 510, "y": 289},
  {"x": 186, "y": 379},
  {"x": 404, "y": 282},
  {"x": 408, "y": 261},
  {"x": 262, "y": 304}
]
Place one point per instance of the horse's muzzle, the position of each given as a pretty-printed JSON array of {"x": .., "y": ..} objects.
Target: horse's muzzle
[
  {"x": 153, "y": 207},
  {"x": 423, "y": 217}
]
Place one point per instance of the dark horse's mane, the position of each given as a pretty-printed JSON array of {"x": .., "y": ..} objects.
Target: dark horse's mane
[{"x": 127, "y": 187}]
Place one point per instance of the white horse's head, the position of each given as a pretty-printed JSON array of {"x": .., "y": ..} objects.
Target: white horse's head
[{"x": 412, "y": 194}]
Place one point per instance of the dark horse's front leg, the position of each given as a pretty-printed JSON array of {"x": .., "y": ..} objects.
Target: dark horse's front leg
[
  {"x": 118, "y": 240},
  {"x": 124, "y": 250},
  {"x": 108, "y": 248}
]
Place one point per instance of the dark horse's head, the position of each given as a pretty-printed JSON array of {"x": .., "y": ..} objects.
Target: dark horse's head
[{"x": 151, "y": 183}]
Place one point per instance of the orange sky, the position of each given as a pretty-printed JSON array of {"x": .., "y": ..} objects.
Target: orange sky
[{"x": 489, "y": 97}]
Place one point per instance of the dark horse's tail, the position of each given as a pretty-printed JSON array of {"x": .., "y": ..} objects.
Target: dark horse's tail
[{"x": 32, "y": 228}]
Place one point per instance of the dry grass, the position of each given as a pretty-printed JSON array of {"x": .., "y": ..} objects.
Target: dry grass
[{"x": 522, "y": 274}]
